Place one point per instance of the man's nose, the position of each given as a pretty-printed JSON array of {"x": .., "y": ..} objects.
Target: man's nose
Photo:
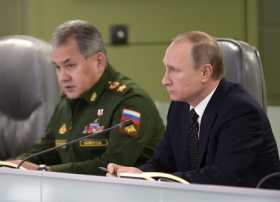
[
  {"x": 63, "y": 75},
  {"x": 165, "y": 80}
]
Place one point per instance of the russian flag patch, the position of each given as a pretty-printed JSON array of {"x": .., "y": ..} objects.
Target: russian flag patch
[
  {"x": 130, "y": 114},
  {"x": 131, "y": 130}
]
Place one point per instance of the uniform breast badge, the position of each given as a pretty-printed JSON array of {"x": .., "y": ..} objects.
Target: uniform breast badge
[
  {"x": 93, "y": 97},
  {"x": 63, "y": 129},
  {"x": 92, "y": 127},
  {"x": 100, "y": 112},
  {"x": 93, "y": 141}
]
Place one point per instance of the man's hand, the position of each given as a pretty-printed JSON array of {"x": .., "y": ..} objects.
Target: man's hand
[
  {"x": 115, "y": 169},
  {"x": 27, "y": 165}
]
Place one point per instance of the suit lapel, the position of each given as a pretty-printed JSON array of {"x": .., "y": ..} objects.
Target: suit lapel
[
  {"x": 207, "y": 122},
  {"x": 184, "y": 130},
  {"x": 209, "y": 117}
]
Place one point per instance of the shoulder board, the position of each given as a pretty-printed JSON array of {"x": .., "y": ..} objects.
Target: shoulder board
[{"x": 118, "y": 87}]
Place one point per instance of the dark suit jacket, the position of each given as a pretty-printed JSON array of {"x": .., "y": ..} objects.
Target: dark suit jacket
[{"x": 237, "y": 146}]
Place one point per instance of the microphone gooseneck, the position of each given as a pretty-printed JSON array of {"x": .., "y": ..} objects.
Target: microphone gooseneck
[
  {"x": 126, "y": 123},
  {"x": 122, "y": 124},
  {"x": 266, "y": 178}
]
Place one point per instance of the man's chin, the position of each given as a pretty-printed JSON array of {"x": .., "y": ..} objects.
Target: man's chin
[
  {"x": 71, "y": 96},
  {"x": 175, "y": 98}
]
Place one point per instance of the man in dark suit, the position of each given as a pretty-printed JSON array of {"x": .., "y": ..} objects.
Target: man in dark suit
[{"x": 216, "y": 133}]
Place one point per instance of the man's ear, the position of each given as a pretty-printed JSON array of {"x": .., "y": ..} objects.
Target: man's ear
[
  {"x": 101, "y": 60},
  {"x": 206, "y": 72}
]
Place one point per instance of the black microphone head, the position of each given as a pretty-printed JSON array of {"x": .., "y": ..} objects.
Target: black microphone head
[{"x": 126, "y": 123}]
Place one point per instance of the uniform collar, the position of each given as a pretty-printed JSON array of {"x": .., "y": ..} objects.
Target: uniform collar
[{"x": 92, "y": 95}]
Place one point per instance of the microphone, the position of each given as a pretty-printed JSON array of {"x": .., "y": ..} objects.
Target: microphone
[{"x": 122, "y": 124}]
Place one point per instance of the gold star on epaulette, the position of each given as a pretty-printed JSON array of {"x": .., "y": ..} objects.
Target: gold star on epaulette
[
  {"x": 93, "y": 97},
  {"x": 63, "y": 129},
  {"x": 122, "y": 88},
  {"x": 113, "y": 85}
]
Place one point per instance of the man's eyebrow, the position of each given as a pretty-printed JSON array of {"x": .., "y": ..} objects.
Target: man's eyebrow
[
  {"x": 66, "y": 61},
  {"x": 167, "y": 65},
  {"x": 63, "y": 62},
  {"x": 170, "y": 67}
]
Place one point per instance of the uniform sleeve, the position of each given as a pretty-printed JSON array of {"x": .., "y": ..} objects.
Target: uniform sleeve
[
  {"x": 125, "y": 147},
  {"x": 47, "y": 141},
  {"x": 48, "y": 158}
]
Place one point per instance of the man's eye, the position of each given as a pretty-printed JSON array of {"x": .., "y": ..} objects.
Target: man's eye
[
  {"x": 70, "y": 66},
  {"x": 172, "y": 70},
  {"x": 57, "y": 67}
]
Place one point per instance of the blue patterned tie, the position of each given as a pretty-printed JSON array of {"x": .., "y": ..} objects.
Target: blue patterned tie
[{"x": 194, "y": 143}]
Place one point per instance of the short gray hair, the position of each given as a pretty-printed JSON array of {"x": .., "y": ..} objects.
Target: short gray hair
[
  {"x": 87, "y": 36},
  {"x": 205, "y": 50}
]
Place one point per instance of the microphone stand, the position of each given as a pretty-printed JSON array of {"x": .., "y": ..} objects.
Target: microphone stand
[{"x": 122, "y": 124}]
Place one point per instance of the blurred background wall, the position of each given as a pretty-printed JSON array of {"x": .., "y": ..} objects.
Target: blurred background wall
[{"x": 151, "y": 25}]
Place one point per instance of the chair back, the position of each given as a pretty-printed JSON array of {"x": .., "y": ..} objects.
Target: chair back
[
  {"x": 242, "y": 64},
  {"x": 28, "y": 92}
]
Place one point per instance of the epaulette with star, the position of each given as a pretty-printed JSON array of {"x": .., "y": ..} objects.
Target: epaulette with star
[{"x": 117, "y": 87}]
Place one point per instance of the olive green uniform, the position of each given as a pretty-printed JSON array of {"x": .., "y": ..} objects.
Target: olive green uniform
[{"x": 113, "y": 99}]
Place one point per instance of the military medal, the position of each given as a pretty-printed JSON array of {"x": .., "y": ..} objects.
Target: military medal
[{"x": 92, "y": 127}]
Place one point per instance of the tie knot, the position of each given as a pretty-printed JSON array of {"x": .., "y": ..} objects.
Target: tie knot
[{"x": 194, "y": 115}]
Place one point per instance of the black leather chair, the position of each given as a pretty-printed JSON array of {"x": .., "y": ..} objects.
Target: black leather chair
[
  {"x": 243, "y": 65},
  {"x": 28, "y": 92}
]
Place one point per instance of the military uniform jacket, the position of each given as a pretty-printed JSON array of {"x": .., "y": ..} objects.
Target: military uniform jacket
[{"x": 113, "y": 99}]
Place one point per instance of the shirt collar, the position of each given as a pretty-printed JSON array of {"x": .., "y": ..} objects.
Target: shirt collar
[{"x": 200, "y": 108}]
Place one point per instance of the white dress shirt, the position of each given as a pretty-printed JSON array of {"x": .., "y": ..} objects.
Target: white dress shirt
[{"x": 200, "y": 108}]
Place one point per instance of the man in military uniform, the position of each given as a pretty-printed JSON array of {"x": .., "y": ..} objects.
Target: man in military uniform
[{"x": 95, "y": 97}]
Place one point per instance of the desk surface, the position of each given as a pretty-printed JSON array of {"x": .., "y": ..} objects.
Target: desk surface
[{"x": 18, "y": 185}]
